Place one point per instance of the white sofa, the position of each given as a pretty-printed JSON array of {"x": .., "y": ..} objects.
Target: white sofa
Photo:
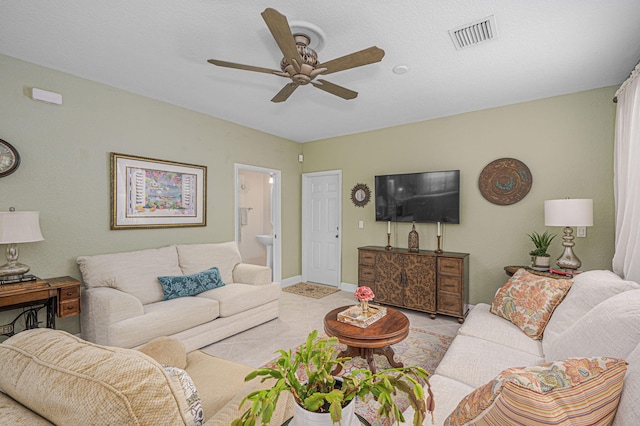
[
  {"x": 600, "y": 316},
  {"x": 122, "y": 299}
]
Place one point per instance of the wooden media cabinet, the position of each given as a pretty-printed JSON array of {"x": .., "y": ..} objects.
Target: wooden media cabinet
[{"x": 436, "y": 283}]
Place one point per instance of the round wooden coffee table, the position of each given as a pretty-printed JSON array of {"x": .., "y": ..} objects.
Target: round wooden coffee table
[{"x": 365, "y": 342}]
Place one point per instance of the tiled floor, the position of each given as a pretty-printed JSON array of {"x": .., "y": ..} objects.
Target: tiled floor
[{"x": 299, "y": 315}]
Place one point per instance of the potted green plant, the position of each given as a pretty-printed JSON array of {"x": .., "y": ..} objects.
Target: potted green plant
[
  {"x": 539, "y": 257},
  {"x": 320, "y": 392}
]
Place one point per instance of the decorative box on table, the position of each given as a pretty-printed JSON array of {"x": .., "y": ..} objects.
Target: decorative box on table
[{"x": 355, "y": 316}]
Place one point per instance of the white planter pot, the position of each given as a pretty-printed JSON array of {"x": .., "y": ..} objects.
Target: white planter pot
[
  {"x": 302, "y": 417},
  {"x": 542, "y": 262}
]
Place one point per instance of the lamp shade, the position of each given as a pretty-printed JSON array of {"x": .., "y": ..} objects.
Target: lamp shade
[
  {"x": 20, "y": 227},
  {"x": 568, "y": 212}
]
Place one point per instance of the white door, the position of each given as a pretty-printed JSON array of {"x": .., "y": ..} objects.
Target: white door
[{"x": 321, "y": 232}]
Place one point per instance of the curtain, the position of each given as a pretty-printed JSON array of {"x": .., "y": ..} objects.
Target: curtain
[{"x": 626, "y": 259}]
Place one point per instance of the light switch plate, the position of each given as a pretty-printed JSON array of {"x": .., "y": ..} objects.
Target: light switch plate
[{"x": 582, "y": 232}]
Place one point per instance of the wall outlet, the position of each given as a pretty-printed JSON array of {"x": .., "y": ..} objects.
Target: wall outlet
[
  {"x": 582, "y": 232},
  {"x": 361, "y": 224}
]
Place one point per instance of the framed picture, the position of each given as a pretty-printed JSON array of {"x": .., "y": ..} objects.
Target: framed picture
[{"x": 149, "y": 193}]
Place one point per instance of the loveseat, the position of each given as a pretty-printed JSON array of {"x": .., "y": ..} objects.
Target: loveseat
[
  {"x": 124, "y": 304},
  {"x": 598, "y": 317},
  {"x": 52, "y": 377}
]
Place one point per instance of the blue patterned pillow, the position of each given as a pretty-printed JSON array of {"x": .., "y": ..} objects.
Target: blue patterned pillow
[{"x": 190, "y": 285}]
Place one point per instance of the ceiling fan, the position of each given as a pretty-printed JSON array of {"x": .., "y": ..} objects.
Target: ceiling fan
[{"x": 300, "y": 62}]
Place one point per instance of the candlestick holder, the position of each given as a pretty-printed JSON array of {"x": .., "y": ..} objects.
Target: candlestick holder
[
  {"x": 388, "y": 247},
  {"x": 439, "y": 250}
]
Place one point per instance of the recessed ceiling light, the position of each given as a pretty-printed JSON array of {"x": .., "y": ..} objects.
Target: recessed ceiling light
[{"x": 400, "y": 69}]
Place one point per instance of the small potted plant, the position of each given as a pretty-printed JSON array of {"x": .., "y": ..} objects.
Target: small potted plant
[
  {"x": 539, "y": 257},
  {"x": 317, "y": 391}
]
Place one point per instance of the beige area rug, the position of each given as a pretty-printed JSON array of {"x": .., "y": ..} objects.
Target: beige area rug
[
  {"x": 421, "y": 348},
  {"x": 317, "y": 291}
]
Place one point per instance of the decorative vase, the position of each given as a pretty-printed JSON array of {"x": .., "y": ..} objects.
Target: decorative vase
[
  {"x": 364, "y": 306},
  {"x": 414, "y": 240},
  {"x": 302, "y": 417}
]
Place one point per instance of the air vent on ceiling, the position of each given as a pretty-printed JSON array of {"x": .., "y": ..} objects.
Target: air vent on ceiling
[{"x": 474, "y": 33}]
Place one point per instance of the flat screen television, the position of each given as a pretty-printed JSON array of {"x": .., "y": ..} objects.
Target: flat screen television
[{"x": 426, "y": 197}]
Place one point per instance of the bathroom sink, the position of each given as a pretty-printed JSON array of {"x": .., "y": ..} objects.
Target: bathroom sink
[{"x": 267, "y": 240}]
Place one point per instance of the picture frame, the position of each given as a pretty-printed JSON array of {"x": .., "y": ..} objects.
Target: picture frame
[{"x": 152, "y": 193}]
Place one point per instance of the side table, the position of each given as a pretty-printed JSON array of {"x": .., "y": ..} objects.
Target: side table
[
  {"x": 60, "y": 296},
  {"x": 510, "y": 270},
  {"x": 377, "y": 338}
]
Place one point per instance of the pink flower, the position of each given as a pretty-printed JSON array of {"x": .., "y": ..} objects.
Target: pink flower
[{"x": 364, "y": 293}]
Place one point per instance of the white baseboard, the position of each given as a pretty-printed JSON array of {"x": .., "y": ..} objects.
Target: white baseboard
[
  {"x": 348, "y": 287},
  {"x": 290, "y": 281}
]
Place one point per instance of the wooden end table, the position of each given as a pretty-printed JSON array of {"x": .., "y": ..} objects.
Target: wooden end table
[
  {"x": 365, "y": 342},
  {"x": 510, "y": 270},
  {"x": 60, "y": 296}
]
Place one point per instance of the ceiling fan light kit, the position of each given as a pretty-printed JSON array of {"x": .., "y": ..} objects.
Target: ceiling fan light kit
[{"x": 300, "y": 62}]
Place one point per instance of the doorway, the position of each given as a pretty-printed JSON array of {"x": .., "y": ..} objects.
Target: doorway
[
  {"x": 321, "y": 227},
  {"x": 257, "y": 218}
]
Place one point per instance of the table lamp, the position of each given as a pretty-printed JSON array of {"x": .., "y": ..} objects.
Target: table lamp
[
  {"x": 17, "y": 227},
  {"x": 568, "y": 212}
]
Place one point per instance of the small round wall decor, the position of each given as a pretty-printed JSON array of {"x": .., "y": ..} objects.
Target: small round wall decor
[
  {"x": 360, "y": 195},
  {"x": 9, "y": 158},
  {"x": 505, "y": 181}
]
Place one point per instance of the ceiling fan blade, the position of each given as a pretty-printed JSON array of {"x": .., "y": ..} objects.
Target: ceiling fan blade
[
  {"x": 243, "y": 67},
  {"x": 281, "y": 32},
  {"x": 285, "y": 92},
  {"x": 334, "y": 89},
  {"x": 353, "y": 60}
]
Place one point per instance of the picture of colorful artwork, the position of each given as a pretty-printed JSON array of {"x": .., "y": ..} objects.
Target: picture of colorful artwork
[
  {"x": 148, "y": 193},
  {"x": 161, "y": 193}
]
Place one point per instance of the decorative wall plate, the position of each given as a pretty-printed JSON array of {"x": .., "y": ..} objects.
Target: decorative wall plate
[
  {"x": 9, "y": 158},
  {"x": 505, "y": 181},
  {"x": 360, "y": 195}
]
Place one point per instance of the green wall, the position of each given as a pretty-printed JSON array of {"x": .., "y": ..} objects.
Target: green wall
[
  {"x": 566, "y": 141},
  {"x": 65, "y": 167}
]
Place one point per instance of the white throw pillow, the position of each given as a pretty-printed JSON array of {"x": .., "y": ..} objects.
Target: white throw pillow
[
  {"x": 610, "y": 329},
  {"x": 588, "y": 290}
]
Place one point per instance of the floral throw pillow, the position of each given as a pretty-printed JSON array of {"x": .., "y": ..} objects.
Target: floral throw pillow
[
  {"x": 190, "y": 285},
  {"x": 191, "y": 394},
  {"x": 528, "y": 300},
  {"x": 575, "y": 391}
]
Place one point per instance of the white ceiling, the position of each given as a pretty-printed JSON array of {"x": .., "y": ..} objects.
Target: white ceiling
[{"x": 159, "y": 48}]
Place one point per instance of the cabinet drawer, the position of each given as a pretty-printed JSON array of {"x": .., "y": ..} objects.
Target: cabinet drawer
[
  {"x": 68, "y": 308},
  {"x": 366, "y": 273},
  {"x": 450, "y": 284},
  {"x": 449, "y": 304},
  {"x": 449, "y": 266},
  {"x": 68, "y": 293},
  {"x": 366, "y": 258}
]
